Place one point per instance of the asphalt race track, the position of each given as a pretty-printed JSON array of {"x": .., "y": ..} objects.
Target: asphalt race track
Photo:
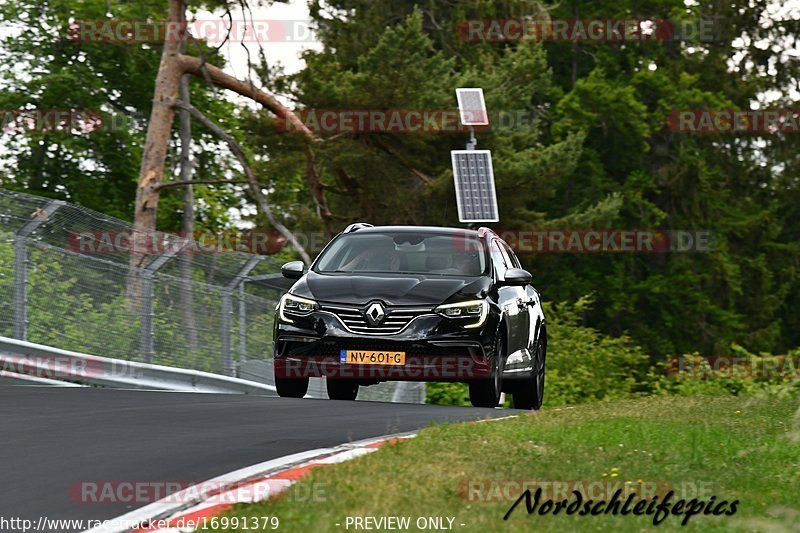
[{"x": 54, "y": 438}]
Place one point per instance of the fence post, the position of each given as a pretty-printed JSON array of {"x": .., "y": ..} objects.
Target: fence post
[
  {"x": 242, "y": 323},
  {"x": 226, "y": 318},
  {"x": 21, "y": 267},
  {"x": 147, "y": 317},
  {"x": 148, "y": 311},
  {"x": 20, "y": 288}
]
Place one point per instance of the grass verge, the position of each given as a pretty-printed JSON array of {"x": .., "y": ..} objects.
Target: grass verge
[{"x": 733, "y": 448}]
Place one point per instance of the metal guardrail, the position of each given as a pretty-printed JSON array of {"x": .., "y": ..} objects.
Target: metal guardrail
[
  {"x": 66, "y": 281},
  {"x": 38, "y": 360},
  {"x": 189, "y": 301}
]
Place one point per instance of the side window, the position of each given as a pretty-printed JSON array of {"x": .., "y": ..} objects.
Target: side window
[
  {"x": 506, "y": 255},
  {"x": 499, "y": 259},
  {"x": 514, "y": 261}
]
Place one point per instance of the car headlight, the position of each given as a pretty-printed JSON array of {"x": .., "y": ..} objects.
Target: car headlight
[
  {"x": 295, "y": 306},
  {"x": 473, "y": 313}
]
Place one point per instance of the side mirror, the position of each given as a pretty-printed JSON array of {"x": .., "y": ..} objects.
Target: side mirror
[
  {"x": 517, "y": 276},
  {"x": 293, "y": 269}
]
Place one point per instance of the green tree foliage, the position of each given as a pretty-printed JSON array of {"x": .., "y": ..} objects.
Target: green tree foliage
[
  {"x": 598, "y": 153},
  {"x": 585, "y": 365},
  {"x": 594, "y": 152},
  {"x": 732, "y": 185},
  {"x": 45, "y": 69}
]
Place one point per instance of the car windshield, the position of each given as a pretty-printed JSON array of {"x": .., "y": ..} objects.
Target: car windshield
[{"x": 404, "y": 252}]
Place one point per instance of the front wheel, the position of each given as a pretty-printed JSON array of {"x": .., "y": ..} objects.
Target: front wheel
[
  {"x": 486, "y": 392},
  {"x": 291, "y": 388},
  {"x": 342, "y": 389},
  {"x": 529, "y": 393}
]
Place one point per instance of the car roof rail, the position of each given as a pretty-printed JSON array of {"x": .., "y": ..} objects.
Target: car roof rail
[
  {"x": 483, "y": 230},
  {"x": 357, "y": 226}
]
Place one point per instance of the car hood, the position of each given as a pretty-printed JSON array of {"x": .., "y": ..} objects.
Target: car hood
[{"x": 392, "y": 289}]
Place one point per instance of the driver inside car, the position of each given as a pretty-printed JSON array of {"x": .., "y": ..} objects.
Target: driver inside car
[
  {"x": 467, "y": 264},
  {"x": 375, "y": 260}
]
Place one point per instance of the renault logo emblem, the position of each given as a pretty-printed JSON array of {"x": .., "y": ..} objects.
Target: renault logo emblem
[{"x": 375, "y": 313}]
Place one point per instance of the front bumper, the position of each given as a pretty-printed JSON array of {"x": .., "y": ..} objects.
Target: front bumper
[{"x": 436, "y": 348}]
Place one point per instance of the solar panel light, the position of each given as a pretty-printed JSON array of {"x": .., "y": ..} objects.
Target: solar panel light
[
  {"x": 472, "y": 107},
  {"x": 474, "y": 181}
]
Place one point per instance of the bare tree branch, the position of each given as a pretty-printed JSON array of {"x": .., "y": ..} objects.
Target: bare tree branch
[
  {"x": 202, "y": 62},
  {"x": 244, "y": 6},
  {"x": 348, "y": 181},
  {"x": 125, "y": 111},
  {"x": 317, "y": 190},
  {"x": 192, "y": 65},
  {"x": 195, "y": 66},
  {"x": 178, "y": 183},
  {"x": 255, "y": 187},
  {"x": 403, "y": 161}
]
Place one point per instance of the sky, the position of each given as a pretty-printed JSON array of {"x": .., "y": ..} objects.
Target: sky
[{"x": 287, "y": 53}]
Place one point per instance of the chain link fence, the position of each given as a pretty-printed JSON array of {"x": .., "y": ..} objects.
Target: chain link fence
[{"x": 68, "y": 279}]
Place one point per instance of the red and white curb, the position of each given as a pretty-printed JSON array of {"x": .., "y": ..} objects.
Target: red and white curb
[{"x": 248, "y": 485}]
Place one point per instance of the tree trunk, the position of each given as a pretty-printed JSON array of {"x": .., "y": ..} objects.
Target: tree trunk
[
  {"x": 187, "y": 294},
  {"x": 151, "y": 171},
  {"x": 174, "y": 64},
  {"x": 159, "y": 127}
]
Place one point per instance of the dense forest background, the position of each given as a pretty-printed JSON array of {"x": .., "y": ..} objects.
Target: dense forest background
[{"x": 597, "y": 152}]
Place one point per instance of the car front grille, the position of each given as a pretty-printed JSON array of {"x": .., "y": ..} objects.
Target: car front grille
[{"x": 395, "y": 321}]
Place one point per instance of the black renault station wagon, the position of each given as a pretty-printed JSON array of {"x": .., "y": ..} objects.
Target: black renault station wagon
[{"x": 407, "y": 303}]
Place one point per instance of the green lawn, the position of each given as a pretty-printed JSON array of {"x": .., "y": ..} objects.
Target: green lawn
[{"x": 734, "y": 448}]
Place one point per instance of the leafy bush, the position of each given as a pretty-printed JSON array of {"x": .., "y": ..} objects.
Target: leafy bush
[
  {"x": 586, "y": 365},
  {"x": 582, "y": 363},
  {"x": 742, "y": 374}
]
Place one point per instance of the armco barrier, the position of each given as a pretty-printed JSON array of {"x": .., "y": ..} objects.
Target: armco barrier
[
  {"x": 208, "y": 311},
  {"x": 26, "y": 358}
]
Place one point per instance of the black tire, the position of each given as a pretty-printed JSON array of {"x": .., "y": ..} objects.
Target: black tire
[
  {"x": 342, "y": 389},
  {"x": 529, "y": 393},
  {"x": 291, "y": 388},
  {"x": 486, "y": 392}
]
